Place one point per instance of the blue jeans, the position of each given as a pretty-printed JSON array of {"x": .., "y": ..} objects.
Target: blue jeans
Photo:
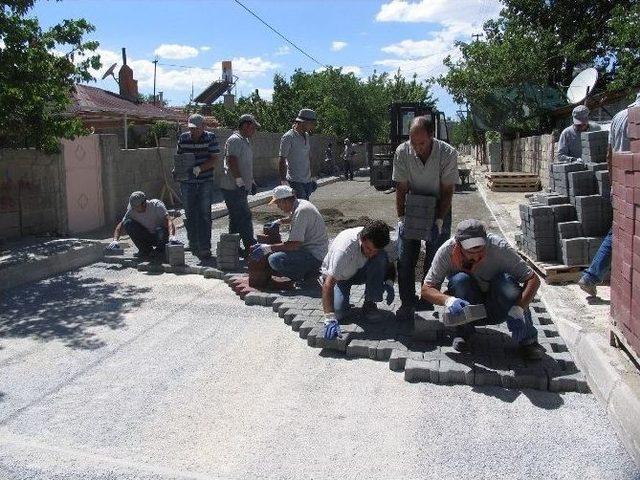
[
  {"x": 601, "y": 263},
  {"x": 372, "y": 275},
  {"x": 196, "y": 198},
  {"x": 143, "y": 239},
  {"x": 303, "y": 190},
  {"x": 295, "y": 264},
  {"x": 239, "y": 215},
  {"x": 408, "y": 253},
  {"x": 504, "y": 292}
]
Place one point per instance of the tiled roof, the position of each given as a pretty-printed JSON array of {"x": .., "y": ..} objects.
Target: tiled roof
[{"x": 92, "y": 100}]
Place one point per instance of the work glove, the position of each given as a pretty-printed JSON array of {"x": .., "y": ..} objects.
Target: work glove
[
  {"x": 259, "y": 250},
  {"x": 391, "y": 294},
  {"x": 271, "y": 225},
  {"x": 436, "y": 230},
  {"x": 455, "y": 305},
  {"x": 515, "y": 323},
  {"x": 400, "y": 227},
  {"x": 196, "y": 171},
  {"x": 331, "y": 326},
  {"x": 254, "y": 189},
  {"x": 114, "y": 245}
]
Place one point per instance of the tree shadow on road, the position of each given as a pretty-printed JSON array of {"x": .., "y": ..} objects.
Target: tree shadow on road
[{"x": 67, "y": 307}]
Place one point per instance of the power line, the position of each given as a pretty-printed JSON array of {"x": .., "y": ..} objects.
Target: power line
[{"x": 279, "y": 34}]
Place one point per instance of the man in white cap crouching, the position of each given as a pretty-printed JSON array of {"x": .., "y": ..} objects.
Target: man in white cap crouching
[{"x": 484, "y": 269}]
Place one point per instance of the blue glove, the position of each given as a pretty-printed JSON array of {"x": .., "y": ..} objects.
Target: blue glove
[
  {"x": 455, "y": 305},
  {"x": 331, "y": 327},
  {"x": 391, "y": 294},
  {"x": 272, "y": 225},
  {"x": 259, "y": 250},
  {"x": 516, "y": 324}
]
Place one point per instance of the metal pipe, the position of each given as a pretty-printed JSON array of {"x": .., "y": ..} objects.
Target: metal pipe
[{"x": 126, "y": 139}]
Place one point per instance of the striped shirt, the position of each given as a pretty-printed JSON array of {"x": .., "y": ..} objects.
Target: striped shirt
[{"x": 203, "y": 149}]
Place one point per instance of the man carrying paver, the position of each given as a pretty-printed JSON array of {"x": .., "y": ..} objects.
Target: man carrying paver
[
  {"x": 295, "y": 164},
  {"x": 360, "y": 255},
  {"x": 197, "y": 190},
  {"x": 147, "y": 223},
  {"x": 601, "y": 263},
  {"x": 570, "y": 143},
  {"x": 238, "y": 182},
  {"x": 484, "y": 268},
  {"x": 423, "y": 165},
  {"x": 300, "y": 257},
  {"x": 347, "y": 157}
]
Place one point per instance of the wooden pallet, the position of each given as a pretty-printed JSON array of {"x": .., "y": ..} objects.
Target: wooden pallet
[
  {"x": 514, "y": 187},
  {"x": 511, "y": 175},
  {"x": 555, "y": 273}
]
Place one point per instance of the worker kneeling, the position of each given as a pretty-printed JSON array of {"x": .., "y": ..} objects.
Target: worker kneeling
[
  {"x": 300, "y": 257},
  {"x": 357, "y": 256},
  {"x": 484, "y": 269}
]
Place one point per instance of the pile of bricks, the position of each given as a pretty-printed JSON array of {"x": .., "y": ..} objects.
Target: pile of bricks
[
  {"x": 175, "y": 254},
  {"x": 227, "y": 257},
  {"x": 594, "y": 146},
  {"x": 625, "y": 266},
  {"x": 538, "y": 231},
  {"x": 259, "y": 270},
  {"x": 420, "y": 211}
]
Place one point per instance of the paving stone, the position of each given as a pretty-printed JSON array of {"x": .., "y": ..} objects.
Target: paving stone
[
  {"x": 290, "y": 314},
  {"x": 386, "y": 347},
  {"x": 399, "y": 357},
  {"x": 298, "y": 321},
  {"x": 452, "y": 372},
  {"x": 253, "y": 298},
  {"x": 560, "y": 381},
  {"x": 483, "y": 375},
  {"x": 531, "y": 377},
  {"x": 416, "y": 370},
  {"x": 349, "y": 332},
  {"x": 308, "y": 326},
  {"x": 362, "y": 348}
]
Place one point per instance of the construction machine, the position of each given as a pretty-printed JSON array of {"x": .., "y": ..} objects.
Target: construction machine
[{"x": 380, "y": 155}]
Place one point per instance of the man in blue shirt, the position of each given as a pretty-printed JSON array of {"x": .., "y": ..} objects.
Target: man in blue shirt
[{"x": 197, "y": 190}]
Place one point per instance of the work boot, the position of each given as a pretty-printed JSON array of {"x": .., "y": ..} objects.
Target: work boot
[
  {"x": 405, "y": 313},
  {"x": 461, "y": 338},
  {"x": 587, "y": 287},
  {"x": 532, "y": 352},
  {"x": 370, "y": 312}
]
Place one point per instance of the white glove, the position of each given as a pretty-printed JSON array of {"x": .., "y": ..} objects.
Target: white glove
[
  {"x": 330, "y": 317},
  {"x": 114, "y": 245},
  {"x": 516, "y": 312},
  {"x": 196, "y": 171},
  {"x": 239, "y": 182},
  {"x": 439, "y": 224},
  {"x": 173, "y": 238}
]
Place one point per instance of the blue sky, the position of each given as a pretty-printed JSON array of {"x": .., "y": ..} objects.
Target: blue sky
[{"x": 358, "y": 35}]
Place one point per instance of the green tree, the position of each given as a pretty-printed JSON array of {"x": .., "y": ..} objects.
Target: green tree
[
  {"x": 624, "y": 43},
  {"x": 38, "y": 71}
]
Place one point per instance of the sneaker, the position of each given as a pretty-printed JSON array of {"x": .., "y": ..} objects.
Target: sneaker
[
  {"x": 370, "y": 312},
  {"x": 588, "y": 288},
  {"x": 405, "y": 313},
  {"x": 533, "y": 351}
]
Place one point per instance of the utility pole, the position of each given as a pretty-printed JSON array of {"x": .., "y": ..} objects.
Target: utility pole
[
  {"x": 477, "y": 36},
  {"x": 155, "y": 65}
]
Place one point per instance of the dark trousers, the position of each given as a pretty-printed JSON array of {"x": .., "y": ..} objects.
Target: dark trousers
[
  {"x": 239, "y": 214},
  {"x": 348, "y": 170},
  {"x": 145, "y": 240}
]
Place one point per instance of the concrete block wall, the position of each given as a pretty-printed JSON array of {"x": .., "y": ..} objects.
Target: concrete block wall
[{"x": 32, "y": 196}]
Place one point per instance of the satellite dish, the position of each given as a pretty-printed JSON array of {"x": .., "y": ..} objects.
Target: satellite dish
[
  {"x": 582, "y": 85},
  {"x": 110, "y": 72}
]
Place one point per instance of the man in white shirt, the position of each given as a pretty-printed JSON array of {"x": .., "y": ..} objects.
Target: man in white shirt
[
  {"x": 358, "y": 256},
  {"x": 300, "y": 257}
]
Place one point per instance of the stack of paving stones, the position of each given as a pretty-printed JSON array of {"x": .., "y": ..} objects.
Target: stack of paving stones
[
  {"x": 183, "y": 163},
  {"x": 419, "y": 216},
  {"x": 604, "y": 183},
  {"x": 561, "y": 173},
  {"x": 175, "y": 254},
  {"x": 259, "y": 270},
  {"x": 538, "y": 231},
  {"x": 625, "y": 265},
  {"x": 581, "y": 183},
  {"x": 227, "y": 257},
  {"x": 595, "y": 146}
]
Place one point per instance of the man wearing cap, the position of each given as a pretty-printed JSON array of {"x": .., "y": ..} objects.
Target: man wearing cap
[
  {"x": 484, "y": 268},
  {"x": 601, "y": 263},
  {"x": 570, "y": 143},
  {"x": 147, "y": 223},
  {"x": 423, "y": 165},
  {"x": 295, "y": 165},
  {"x": 300, "y": 257},
  {"x": 360, "y": 255},
  {"x": 238, "y": 181},
  {"x": 197, "y": 190}
]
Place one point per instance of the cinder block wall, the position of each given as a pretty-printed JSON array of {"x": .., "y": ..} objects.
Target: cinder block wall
[{"x": 32, "y": 199}]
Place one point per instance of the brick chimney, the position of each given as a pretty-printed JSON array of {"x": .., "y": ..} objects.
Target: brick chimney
[{"x": 128, "y": 86}]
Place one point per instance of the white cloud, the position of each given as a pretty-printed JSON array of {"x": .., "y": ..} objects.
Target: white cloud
[
  {"x": 352, "y": 69},
  {"x": 337, "y": 45},
  {"x": 439, "y": 11},
  {"x": 205, "y": 48},
  {"x": 266, "y": 93},
  {"x": 251, "y": 67},
  {"x": 173, "y": 51},
  {"x": 283, "y": 50}
]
